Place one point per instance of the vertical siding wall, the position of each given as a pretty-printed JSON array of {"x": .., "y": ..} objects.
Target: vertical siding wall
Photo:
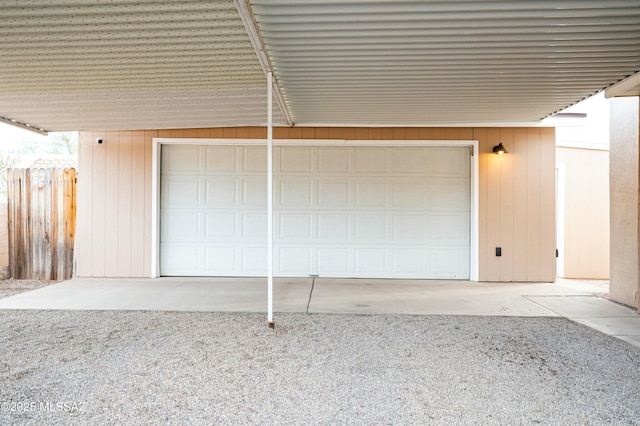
[
  {"x": 517, "y": 195},
  {"x": 113, "y": 237},
  {"x": 586, "y": 222},
  {"x": 517, "y": 204}
]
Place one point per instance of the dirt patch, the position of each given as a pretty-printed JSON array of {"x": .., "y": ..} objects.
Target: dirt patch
[{"x": 13, "y": 287}]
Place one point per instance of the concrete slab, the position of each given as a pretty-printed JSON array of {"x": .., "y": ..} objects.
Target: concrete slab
[
  {"x": 586, "y": 306},
  {"x": 634, "y": 340},
  {"x": 613, "y": 326},
  {"x": 166, "y": 294},
  {"x": 429, "y": 297},
  {"x": 597, "y": 313},
  {"x": 292, "y": 295},
  {"x": 565, "y": 298}
]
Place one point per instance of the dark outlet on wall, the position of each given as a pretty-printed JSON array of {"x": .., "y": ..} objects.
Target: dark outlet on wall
[{"x": 498, "y": 251}]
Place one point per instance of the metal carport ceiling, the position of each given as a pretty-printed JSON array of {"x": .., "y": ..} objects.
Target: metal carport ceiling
[
  {"x": 104, "y": 65},
  {"x": 435, "y": 62}
]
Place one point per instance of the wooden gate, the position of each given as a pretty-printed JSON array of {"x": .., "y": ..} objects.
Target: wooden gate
[{"x": 42, "y": 222}]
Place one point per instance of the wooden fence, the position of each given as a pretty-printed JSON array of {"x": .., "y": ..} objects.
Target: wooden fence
[{"x": 42, "y": 222}]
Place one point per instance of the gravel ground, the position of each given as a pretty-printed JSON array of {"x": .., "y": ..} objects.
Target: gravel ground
[
  {"x": 13, "y": 287},
  {"x": 79, "y": 367}
]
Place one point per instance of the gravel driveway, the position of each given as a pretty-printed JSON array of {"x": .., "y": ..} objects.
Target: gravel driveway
[{"x": 75, "y": 367}]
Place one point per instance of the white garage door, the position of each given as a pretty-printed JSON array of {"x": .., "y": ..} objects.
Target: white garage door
[{"x": 387, "y": 212}]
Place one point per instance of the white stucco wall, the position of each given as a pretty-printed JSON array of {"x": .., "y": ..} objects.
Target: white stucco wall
[{"x": 624, "y": 175}]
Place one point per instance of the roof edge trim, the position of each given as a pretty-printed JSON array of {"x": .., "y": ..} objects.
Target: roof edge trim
[
  {"x": 630, "y": 86},
  {"x": 25, "y": 126}
]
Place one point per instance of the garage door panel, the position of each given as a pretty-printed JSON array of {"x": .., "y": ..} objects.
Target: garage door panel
[
  {"x": 408, "y": 262},
  {"x": 371, "y": 160},
  {"x": 295, "y": 159},
  {"x": 294, "y": 193},
  {"x": 334, "y": 227},
  {"x": 221, "y": 261},
  {"x": 408, "y": 194},
  {"x": 181, "y": 259},
  {"x": 221, "y": 192},
  {"x": 221, "y": 227},
  {"x": 180, "y": 191},
  {"x": 333, "y": 194},
  {"x": 294, "y": 226},
  {"x": 254, "y": 227},
  {"x": 401, "y": 212},
  {"x": 449, "y": 262},
  {"x": 253, "y": 261},
  {"x": 370, "y": 261},
  {"x": 182, "y": 159},
  {"x": 408, "y": 228},
  {"x": 371, "y": 227},
  {"x": 408, "y": 161},
  {"x": 448, "y": 229},
  {"x": 254, "y": 193},
  {"x": 448, "y": 162},
  {"x": 293, "y": 261},
  {"x": 222, "y": 158},
  {"x": 334, "y": 160},
  {"x": 254, "y": 159},
  {"x": 448, "y": 194},
  {"x": 370, "y": 193},
  {"x": 181, "y": 226},
  {"x": 334, "y": 261}
]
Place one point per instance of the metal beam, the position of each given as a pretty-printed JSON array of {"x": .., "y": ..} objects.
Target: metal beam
[
  {"x": 628, "y": 87},
  {"x": 244, "y": 9}
]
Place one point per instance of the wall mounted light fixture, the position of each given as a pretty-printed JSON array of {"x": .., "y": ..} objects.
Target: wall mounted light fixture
[{"x": 500, "y": 149}]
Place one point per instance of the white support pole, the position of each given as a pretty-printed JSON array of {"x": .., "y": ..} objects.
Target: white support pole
[{"x": 270, "y": 200}]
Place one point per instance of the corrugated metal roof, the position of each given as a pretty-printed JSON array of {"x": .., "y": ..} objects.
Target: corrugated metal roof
[
  {"x": 89, "y": 65},
  {"x": 116, "y": 64},
  {"x": 436, "y": 62}
]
